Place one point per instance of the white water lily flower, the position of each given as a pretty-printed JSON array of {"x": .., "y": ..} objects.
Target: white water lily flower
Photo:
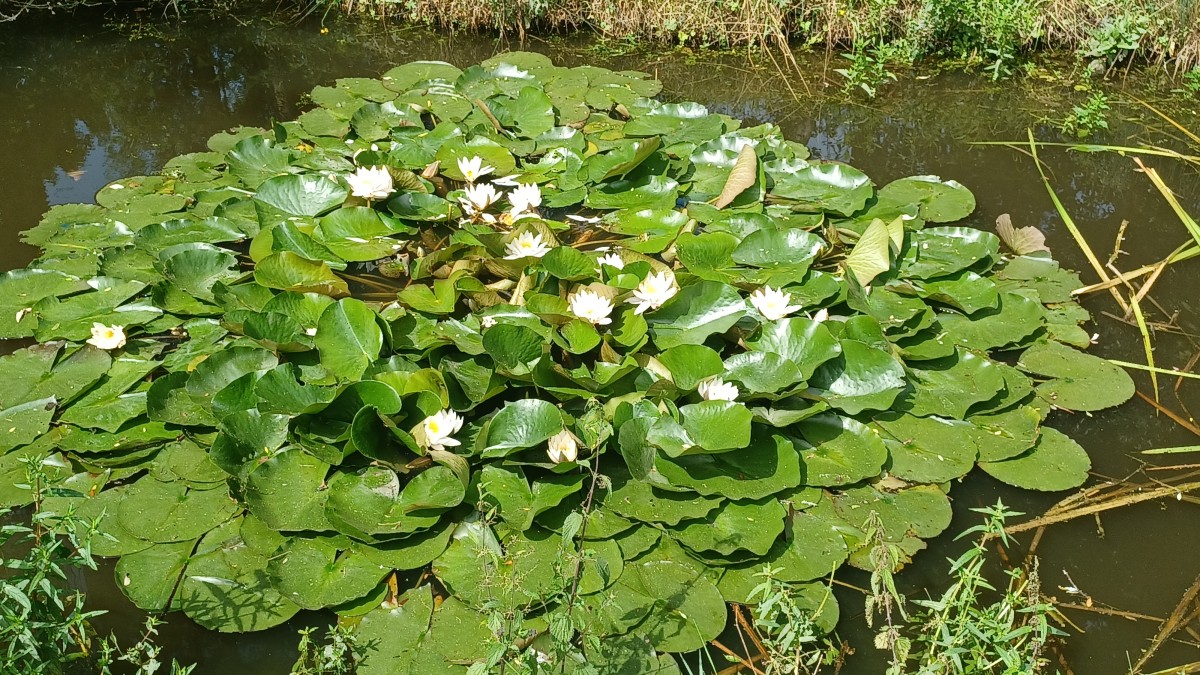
[
  {"x": 372, "y": 183},
  {"x": 716, "y": 389},
  {"x": 591, "y": 307},
  {"x": 477, "y": 198},
  {"x": 612, "y": 260},
  {"x": 473, "y": 169},
  {"x": 439, "y": 427},
  {"x": 524, "y": 199},
  {"x": 772, "y": 303},
  {"x": 654, "y": 291},
  {"x": 527, "y": 244},
  {"x": 562, "y": 447},
  {"x": 107, "y": 337}
]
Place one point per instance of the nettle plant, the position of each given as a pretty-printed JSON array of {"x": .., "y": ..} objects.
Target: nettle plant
[{"x": 518, "y": 352}]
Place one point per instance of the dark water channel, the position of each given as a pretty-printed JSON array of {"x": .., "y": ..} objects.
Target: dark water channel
[{"x": 82, "y": 105}]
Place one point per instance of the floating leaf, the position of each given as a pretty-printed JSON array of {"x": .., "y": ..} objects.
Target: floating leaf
[
  {"x": 1078, "y": 381},
  {"x": 1021, "y": 240}
]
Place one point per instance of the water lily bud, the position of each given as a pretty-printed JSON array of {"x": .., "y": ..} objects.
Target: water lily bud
[{"x": 562, "y": 447}]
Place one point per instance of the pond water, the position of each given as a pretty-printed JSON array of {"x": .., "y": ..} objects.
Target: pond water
[{"x": 84, "y": 105}]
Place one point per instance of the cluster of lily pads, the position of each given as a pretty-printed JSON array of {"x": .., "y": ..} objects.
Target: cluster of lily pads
[{"x": 406, "y": 340}]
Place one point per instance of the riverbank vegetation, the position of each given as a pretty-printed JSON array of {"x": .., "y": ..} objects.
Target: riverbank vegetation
[{"x": 994, "y": 34}]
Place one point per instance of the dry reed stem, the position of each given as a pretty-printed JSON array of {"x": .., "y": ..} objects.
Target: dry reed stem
[
  {"x": 1183, "y": 614},
  {"x": 1108, "y": 505}
]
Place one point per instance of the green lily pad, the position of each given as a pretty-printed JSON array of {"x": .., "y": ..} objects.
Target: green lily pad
[
  {"x": 313, "y": 573},
  {"x": 1078, "y": 381},
  {"x": 734, "y": 526},
  {"x": 1055, "y": 463},
  {"x": 840, "y": 450}
]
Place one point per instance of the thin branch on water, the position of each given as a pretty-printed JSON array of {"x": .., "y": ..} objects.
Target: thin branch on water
[
  {"x": 1185, "y": 612},
  {"x": 1106, "y": 505},
  {"x": 1171, "y": 414}
]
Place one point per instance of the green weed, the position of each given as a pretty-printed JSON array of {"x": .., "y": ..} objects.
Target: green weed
[
  {"x": 960, "y": 632},
  {"x": 1087, "y": 118}
]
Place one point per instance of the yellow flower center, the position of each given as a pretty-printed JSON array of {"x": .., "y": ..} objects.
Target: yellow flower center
[{"x": 434, "y": 428}]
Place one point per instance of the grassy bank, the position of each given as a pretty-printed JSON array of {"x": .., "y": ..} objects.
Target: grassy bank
[
  {"x": 991, "y": 33},
  {"x": 995, "y": 32}
]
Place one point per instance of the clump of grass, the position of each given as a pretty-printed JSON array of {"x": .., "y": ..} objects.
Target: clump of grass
[{"x": 960, "y": 631}]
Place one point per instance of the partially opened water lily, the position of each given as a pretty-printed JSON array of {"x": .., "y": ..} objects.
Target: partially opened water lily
[
  {"x": 591, "y": 307},
  {"x": 562, "y": 447},
  {"x": 438, "y": 429},
  {"x": 526, "y": 245},
  {"x": 107, "y": 337},
  {"x": 371, "y": 183},
  {"x": 477, "y": 198},
  {"x": 473, "y": 168},
  {"x": 716, "y": 389},
  {"x": 525, "y": 198},
  {"x": 655, "y": 289},
  {"x": 772, "y": 303},
  {"x": 610, "y": 259}
]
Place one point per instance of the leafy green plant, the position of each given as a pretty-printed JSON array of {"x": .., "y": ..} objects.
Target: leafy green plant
[
  {"x": 867, "y": 71},
  {"x": 43, "y": 623},
  {"x": 338, "y": 654},
  {"x": 1088, "y": 118},
  {"x": 625, "y": 353},
  {"x": 44, "y": 626},
  {"x": 960, "y": 632},
  {"x": 141, "y": 658},
  {"x": 793, "y": 631},
  {"x": 1117, "y": 38}
]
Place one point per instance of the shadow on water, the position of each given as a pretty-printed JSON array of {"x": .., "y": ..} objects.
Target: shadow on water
[{"x": 84, "y": 106}]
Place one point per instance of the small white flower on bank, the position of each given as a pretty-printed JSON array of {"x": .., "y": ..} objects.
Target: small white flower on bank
[
  {"x": 612, "y": 260},
  {"x": 487, "y": 322},
  {"x": 591, "y": 307},
  {"x": 654, "y": 291},
  {"x": 524, "y": 199},
  {"x": 527, "y": 244},
  {"x": 473, "y": 169},
  {"x": 772, "y": 303},
  {"x": 562, "y": 447},
  {"x": 477, "y": 198},
  {"x": 310, "y": 332},
  {"x": 439, "y": 428},
  {"x": 821, "y": 315},
  {"x": 107, "y": 337},
  {"x": 372, "y": 183},
  {"x": 716, "y": 389}
]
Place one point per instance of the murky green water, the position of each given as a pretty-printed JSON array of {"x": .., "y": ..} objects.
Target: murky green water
[{"x": 82, "y": 106}]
